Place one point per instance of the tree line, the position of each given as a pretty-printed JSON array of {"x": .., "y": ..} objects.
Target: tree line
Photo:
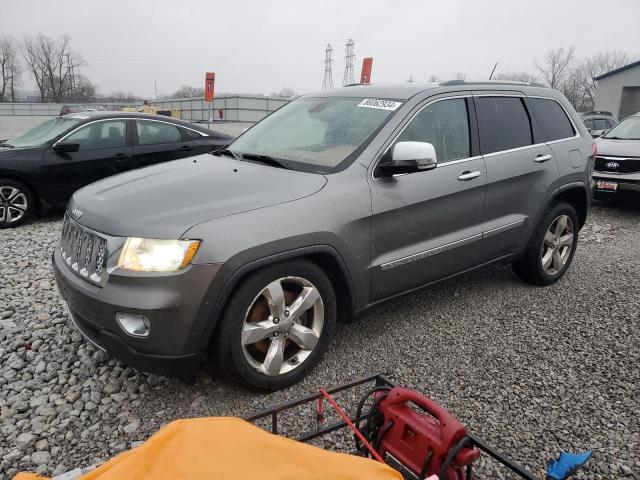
[
  {"x": 53, "y": 65},
  {"x": 563, "y": 70}
]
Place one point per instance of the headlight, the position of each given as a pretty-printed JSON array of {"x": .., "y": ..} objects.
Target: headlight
[{"x": 147, "y": 255}]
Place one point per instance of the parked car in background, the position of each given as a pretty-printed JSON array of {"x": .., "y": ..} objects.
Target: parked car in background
[
  {"x": 67, "y": 109},
  {"x": 334, "y": 203},
  {"x": 617, "y": 165},
  {"x": 41, "y": 169},
  {"x": 598, "y": 122}
]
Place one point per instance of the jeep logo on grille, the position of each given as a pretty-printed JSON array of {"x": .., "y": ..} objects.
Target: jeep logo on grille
[
  {"x": 613, "y": 165},
  {"x": 78, "y": 213}
]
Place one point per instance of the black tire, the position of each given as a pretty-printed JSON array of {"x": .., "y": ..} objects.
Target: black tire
[
  {"x": 529, "y": 266},
  {"x": 14, "y": 195},
  {"x": 232, "y": 359}
]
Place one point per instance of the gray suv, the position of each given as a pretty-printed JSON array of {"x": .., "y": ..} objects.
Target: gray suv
[{"x": 334, "y": 203}]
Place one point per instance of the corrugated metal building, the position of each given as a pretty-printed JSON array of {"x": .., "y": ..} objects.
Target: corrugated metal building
[
  {"x": 619, "y": 91},
  {"x": 236, "y": 108}
]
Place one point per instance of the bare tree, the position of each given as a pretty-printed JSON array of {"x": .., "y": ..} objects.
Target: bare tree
[
  {"x": 9, "y": 68},
  {"x": 285, "y": 92},
  {"x": 187, "y": 91},
  {"x": 434, "y": 78},
  {"x": 600, "y": 63},
  {"x": 55, "y": 66},
  {"x": 517, "y": 76},
  {"x": 461, "y": 76},
  {"x": 556, "y": 68}
]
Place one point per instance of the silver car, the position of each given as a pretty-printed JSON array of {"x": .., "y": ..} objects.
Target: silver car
[
  {"x": 617, "y": 166},
  {"x": 334, "y": 203}
]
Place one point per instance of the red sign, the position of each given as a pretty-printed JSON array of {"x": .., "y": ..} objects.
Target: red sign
[
  {"x": 209, "y": 82},
  {"x": 365, "y": 76}
]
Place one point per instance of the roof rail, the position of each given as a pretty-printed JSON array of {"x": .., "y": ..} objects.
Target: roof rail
[{"x": 491, "y": 82}]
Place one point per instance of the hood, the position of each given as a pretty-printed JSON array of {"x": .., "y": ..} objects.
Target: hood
[
  {"x": 165, "y": 200},
  {"x": 618, "y": 148}
]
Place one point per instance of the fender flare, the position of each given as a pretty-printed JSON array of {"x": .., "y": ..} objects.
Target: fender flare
[{"x": 238, "y": 274}]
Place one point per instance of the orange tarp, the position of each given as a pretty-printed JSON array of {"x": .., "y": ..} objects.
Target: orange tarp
[{"x": 230, "y": 448}]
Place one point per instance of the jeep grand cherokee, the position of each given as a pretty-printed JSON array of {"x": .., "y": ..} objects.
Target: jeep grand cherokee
[{"x": 335, "y": 202}]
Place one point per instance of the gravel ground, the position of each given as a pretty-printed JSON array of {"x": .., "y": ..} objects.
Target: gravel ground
[
  {"x": 532, "y": 370},
  {"x": 13, "y": 126}
]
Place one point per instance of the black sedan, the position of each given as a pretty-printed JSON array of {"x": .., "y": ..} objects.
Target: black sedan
[{"x": 40, "y": 170}]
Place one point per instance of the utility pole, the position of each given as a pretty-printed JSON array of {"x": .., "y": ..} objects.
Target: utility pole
[
  {"x": 349, "y": 60},
  {"x": 327, "y": 82},
  {"x": 155, "y": 86}
]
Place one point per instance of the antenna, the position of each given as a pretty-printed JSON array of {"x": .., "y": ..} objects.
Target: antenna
[
  {"x": 327, "y": 82},
  {"x": 349, "y": 60},
  {"x": 494, "y": 69}
]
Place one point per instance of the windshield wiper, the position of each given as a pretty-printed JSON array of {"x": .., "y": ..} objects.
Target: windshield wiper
[
  {"x": 266, "y": 159},
  {"x": 226, "y": 151}
]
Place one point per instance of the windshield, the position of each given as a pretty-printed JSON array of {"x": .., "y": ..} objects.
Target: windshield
[
  {"x": 316, "y": 134},
  {"x": 44, "y": 132},
  {"x": 628, "y": 129}
]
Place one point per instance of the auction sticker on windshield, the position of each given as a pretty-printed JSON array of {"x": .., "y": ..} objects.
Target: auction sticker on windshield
[{"x": 378, "y": 103}]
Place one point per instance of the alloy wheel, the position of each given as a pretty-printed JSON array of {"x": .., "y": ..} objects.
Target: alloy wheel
[
  {"x": 557, "y": 245},
  {"x": 13, "y": 204},
  {"x": 282, "y": 326}
]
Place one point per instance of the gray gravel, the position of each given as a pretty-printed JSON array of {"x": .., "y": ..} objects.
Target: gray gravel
[{"x": 533, "y": 370}]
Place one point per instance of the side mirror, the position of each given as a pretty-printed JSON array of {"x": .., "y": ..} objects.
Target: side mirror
[
  {"x": 65, "y": 147},
  {"x": 410, "y": 157}
]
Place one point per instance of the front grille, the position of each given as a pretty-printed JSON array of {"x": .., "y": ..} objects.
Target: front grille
[
  {"x": 617, "y": 164},
  {"x": 84, "y": 251}
]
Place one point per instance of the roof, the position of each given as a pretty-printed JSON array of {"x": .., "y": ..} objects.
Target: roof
[
  {"x": 404, "y": 91},
  {"x": 618, "y": 70}
]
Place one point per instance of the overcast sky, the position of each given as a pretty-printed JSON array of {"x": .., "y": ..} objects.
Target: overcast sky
[{"x": 262, "y": 46}]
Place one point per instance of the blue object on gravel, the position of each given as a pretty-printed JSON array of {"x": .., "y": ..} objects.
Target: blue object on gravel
[{"x": 566, "y": 463}]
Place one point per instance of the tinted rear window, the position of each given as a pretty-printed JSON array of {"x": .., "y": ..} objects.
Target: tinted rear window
[
  {"x": 551, "y": 120},
  {"x": 503, "y": 123}
]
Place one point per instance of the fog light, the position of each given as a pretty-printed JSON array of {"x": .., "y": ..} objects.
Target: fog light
[{"x": 134, "y": 325}]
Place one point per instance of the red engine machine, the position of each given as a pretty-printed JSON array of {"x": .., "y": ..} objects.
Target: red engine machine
[{"x": 418, "y": 437}]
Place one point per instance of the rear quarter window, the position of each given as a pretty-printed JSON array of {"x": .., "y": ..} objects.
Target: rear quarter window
[
  {"x": 503, "y": 123},
  {"x": 551, "y": 121}
]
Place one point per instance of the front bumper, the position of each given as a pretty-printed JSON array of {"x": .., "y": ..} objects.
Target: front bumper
[
  {"x": 627, "y": 183},
  {"x": 174, "y": 304}
]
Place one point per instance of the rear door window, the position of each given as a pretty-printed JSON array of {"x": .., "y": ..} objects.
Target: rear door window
[
  {"x": 551, "y": 120},
  {"x": 151, "y": 133},
  {"x": 503, "y": 123},
  {"x": 588, "y": 124}
]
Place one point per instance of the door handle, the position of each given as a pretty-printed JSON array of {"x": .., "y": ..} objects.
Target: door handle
[
  {"x": 186, "y": 148},
  {"x": 120, "y": 156},
  {"x": 467, "y": 175},
  {"x": 542, "y": 158}
]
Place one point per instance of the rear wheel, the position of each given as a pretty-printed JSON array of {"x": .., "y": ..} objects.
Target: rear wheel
[
  {"x": 16, "y": 203},
  {"x": 277, "y": 325},
  {"x": 552, "y": 247}
]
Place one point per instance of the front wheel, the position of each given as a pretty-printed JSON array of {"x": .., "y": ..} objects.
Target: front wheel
[
  {"x": 277, "y": 325},
  {"x": 552, "y": 247}
]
